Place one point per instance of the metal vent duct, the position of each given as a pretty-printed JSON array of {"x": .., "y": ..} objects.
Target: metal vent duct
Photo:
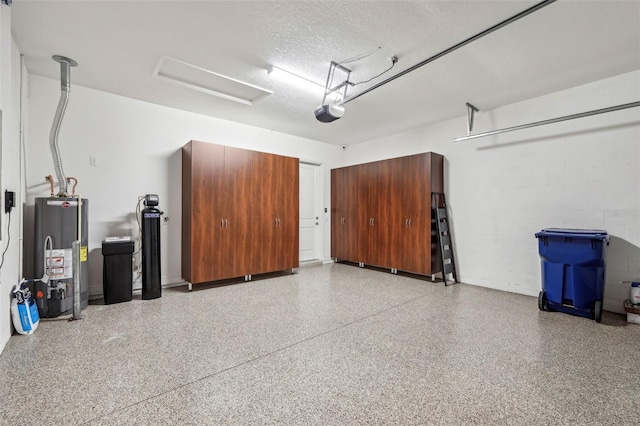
[{"x": 65, "y": 86}]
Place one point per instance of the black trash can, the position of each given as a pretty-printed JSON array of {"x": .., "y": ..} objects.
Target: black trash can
[{"x": 117, "y": 274}]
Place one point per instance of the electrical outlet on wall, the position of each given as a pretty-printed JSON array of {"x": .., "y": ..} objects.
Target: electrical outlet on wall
[{"x": 93, "y": 161}]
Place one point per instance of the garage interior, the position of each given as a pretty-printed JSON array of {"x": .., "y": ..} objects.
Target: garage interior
[{"x": 284, "y": 298}]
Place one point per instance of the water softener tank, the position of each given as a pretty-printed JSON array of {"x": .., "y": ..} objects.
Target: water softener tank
[
  {"x": 56, "y": 224},
  {"x": 151, "y": 283}
]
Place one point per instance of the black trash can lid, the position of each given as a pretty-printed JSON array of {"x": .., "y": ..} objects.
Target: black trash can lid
[{"x": 117, "y": 246}]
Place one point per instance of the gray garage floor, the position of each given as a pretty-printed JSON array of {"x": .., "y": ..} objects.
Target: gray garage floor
[{"x": 333, "y": 344}]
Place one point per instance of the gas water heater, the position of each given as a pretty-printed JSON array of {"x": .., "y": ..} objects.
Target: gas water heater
[
  {"x": 60, "y": 235},
  {"x": 151, "y": 274},
  {"x": 56, "y": 228}
]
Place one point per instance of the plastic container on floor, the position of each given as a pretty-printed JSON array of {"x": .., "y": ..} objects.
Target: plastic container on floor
[
  {"x": 117, "y": 275},
  {"x": 634, "y": 294},
  {"x": 573, "y": 270}
]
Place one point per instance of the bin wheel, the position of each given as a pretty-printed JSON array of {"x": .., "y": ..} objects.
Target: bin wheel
[
  {"x": 597, "y": 311},
  {"x": 542, "y": 301}
]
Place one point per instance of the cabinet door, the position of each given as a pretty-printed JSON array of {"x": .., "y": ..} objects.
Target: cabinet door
[
  {"x": 237, "y": 204},
  {"x": 352, "y": 215},
  {"x": 338, "y": 213},
  {"x": 207, "y": 213},
  {"x": 345, "y": 214},
  {"x": 264, "y": 213},
  {"x": 287, "y": 246},
  {"x": 382, "y": 215},
  {"x": 398, "y": 215},
  {"x": 364, "y": 230},
  {"x": 373, "y": 215}
]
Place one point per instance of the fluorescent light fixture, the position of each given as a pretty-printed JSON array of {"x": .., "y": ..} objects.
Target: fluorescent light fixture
[
  {"x": 206, "y": 81},
  {"x": 294, "y": 79}
]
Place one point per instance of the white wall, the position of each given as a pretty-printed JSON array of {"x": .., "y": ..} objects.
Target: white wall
[
  {"x": 582, "y": 173},
  {"x": 501, "y": 190},
  {"x": 10, "y": 173},
  {"x": 137, "y": 147}
]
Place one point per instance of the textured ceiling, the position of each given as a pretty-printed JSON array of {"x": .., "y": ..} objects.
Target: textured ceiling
[{"x": 118, "y": 45}]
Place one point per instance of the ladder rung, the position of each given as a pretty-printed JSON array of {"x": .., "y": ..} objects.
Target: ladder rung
[
  {"x": 446, "y": 254},
  {"x": 446, "y": 240},
  {"x": 443, "y": 227},
  {"x": 448, "y": 268},
  {"x": 442, "y": 213}
]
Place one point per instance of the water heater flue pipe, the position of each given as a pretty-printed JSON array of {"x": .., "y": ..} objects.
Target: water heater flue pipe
[{"x": 65, "y": 85}]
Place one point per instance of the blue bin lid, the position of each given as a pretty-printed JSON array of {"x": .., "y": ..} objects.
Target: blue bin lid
[{"x": 590, "y": 234}]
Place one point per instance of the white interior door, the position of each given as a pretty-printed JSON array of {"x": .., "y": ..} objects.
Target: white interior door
[{"x": 310, "y": 212}]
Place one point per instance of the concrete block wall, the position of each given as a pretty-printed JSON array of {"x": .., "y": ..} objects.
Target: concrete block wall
[
  {"x": 11, "y": 172},
  {"x": 583, "y": 173}
]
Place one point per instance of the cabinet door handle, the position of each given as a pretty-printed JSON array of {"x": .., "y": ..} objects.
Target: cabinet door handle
[
  {"x": 278, "y": 221},
  {"x": 409, "y": 223},
  {"x": 275, "y": 220},
  {"x": 373, "y": 221},
  {"x": 406, "y": 223},
  {"x": 226, "y": 223},
  {"x": 221, "y": 223}
]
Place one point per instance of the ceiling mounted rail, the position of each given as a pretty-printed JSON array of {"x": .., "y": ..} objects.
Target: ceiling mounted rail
[
  {"x": 537, "y": 123},
  {"x": 455, "y": 47}
]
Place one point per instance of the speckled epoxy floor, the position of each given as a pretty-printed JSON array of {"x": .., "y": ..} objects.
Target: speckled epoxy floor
[{"x": 333, "y": 344}]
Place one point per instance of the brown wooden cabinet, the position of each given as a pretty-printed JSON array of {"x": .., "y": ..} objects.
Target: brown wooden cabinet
[
  {"x": 278, "y": 221},
  {"x": 239, "y": 212},
  {"x": 382, "y": 216}
]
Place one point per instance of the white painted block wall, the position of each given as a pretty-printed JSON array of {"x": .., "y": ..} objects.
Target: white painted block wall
[
  {"x": 501, "y": 190},
  {"x": 10, "y": 178},
  {"x": 137, "y": 147}
]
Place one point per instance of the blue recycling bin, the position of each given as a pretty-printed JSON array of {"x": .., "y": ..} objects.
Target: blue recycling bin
[{"x": 573, "y": 269}]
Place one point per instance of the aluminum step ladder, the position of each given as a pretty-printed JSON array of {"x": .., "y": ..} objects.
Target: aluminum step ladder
[{"x": 439, "y": 205}]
